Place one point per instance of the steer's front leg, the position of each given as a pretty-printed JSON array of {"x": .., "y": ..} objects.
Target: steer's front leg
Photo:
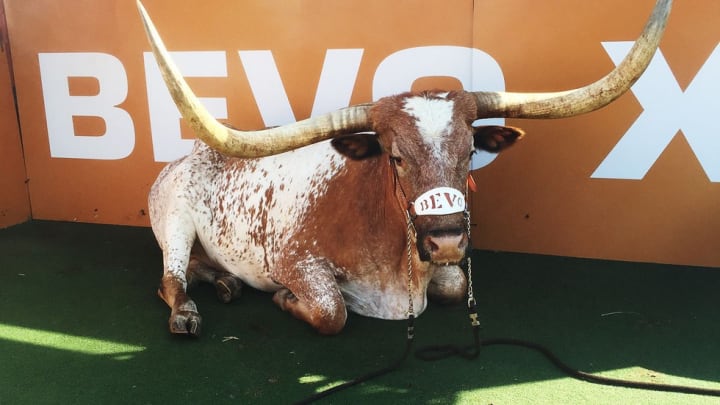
[
  {"x": 184, "y": 318},
  {"x": 311, "y": 293}
]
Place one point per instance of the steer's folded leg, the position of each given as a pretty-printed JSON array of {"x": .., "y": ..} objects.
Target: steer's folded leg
[
  {"x": 227, "y": 285},
  {"x": 312, "y": 294}
]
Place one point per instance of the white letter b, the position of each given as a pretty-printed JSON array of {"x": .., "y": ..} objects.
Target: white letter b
[{"x": 60, "y": 107}]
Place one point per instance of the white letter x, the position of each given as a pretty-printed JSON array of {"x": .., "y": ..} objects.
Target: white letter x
[{"x": 666, "y": 111}]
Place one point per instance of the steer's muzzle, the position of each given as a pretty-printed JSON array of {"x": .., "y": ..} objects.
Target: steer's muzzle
[{"x": 444, "y": 245}]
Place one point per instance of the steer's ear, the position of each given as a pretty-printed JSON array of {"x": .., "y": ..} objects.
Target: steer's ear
[
  {"x": 358, "y": 146},
  {"x": 494, "y": 138}
]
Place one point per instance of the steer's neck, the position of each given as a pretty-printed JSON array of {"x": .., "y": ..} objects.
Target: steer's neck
[{"x": 360, "y": 219}]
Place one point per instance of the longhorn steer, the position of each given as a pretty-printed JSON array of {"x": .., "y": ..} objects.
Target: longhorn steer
[{"x": 326, "y": 225}]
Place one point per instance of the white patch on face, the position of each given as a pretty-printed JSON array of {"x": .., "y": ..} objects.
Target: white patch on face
[{"x": 433, "y": 119}]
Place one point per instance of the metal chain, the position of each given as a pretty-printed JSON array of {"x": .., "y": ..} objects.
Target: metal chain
[
  {"x": 472, "y": 305},
  {"x": 410, "y": 228},
  {"x": 471, "y": 297},
  {"x": 409, "y": 232}
]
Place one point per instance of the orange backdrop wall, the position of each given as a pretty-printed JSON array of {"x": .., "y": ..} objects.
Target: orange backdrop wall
[
  {"x": 14, "y": 201},
  {"x": 97, "y": 129}
]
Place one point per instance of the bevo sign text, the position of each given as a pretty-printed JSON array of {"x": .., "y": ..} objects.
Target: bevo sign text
[{"x": 667, "y": 108}]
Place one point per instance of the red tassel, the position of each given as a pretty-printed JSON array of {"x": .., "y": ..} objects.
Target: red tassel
[{"x": 471, "y": 183}]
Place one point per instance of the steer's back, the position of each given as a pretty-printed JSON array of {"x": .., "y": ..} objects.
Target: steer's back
[{"x": 244, "y": 212}]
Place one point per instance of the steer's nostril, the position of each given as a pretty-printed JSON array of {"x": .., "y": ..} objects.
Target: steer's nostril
[
  {"x": 449, "y": 232},
  {"x": 443, "y": 244}
]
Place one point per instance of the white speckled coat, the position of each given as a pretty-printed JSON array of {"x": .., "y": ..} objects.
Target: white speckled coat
[{"x": 324, "y": 226}]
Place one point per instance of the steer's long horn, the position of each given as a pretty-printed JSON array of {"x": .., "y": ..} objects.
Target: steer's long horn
[
  {"x": 588, "y": 98},
  {"x": 248, "y": 144}
]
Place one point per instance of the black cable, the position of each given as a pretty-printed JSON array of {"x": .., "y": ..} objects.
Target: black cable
[
  {"x": 471, "y": 351},
  {"x": 438, "y": 352},
  {"x": 433, "y": 353},
  {"x": 596, "y": 379},
  {"x": 371, "y": 375}
]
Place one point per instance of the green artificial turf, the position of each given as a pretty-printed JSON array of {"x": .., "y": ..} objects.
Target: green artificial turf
[{"x": 80, "y": 323}]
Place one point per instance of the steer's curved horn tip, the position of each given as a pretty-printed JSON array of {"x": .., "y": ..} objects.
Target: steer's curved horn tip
[
  {"x": 589, "y": 98},
  {"x": 140, "y": 7},
  {"x": 143, "y": 15}
]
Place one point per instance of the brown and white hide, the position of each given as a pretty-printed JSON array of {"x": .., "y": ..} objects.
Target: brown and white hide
[{"x": 324, "y": 226}]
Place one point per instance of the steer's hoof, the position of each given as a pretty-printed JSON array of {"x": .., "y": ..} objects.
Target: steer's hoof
[
  {"x": 284, "y": 297},
  {"x": 228, "y": 288},
  {"x": 185, "y": 323}
]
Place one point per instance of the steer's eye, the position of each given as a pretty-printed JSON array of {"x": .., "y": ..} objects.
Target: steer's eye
[{"x": 397, "y": 161}]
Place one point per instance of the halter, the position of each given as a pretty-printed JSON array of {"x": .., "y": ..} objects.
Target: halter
[{"x": 410, "y": 215}]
